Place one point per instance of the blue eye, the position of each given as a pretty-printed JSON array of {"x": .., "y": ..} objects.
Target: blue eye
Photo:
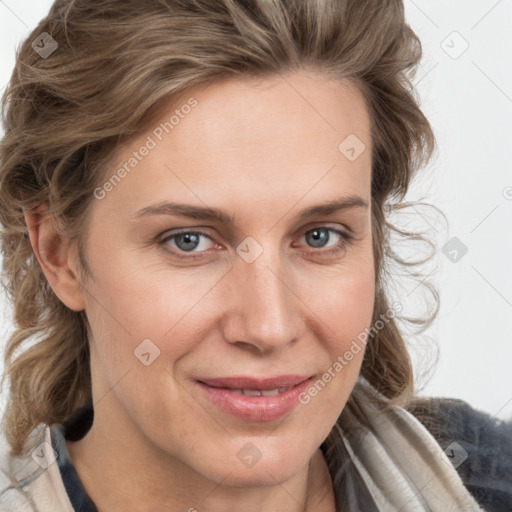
[
  {"x": 185, "y": 243},
  {"x": 321, "y": 236}
]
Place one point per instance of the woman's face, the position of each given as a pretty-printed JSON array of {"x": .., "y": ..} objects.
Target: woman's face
[{"x": 178, "y": 295}]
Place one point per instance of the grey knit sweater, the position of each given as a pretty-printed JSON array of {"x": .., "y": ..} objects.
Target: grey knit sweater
[{"x": 487, "y": 470}]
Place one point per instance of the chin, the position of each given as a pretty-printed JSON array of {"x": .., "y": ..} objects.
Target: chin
[
  {"x": 267, "y": 475},
  {"x": 274, "y": 466}
]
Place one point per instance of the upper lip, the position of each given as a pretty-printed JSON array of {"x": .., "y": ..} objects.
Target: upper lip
[{"x": 244, "y": 382}]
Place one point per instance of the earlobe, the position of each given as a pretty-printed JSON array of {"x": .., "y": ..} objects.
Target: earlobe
[{"x": 56, "y": 256}]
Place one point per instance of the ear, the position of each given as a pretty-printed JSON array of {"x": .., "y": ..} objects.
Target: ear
[{"x": 57, "y": 257}]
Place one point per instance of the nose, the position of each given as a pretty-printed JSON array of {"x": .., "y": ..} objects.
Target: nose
[{"x": 262, "y": 311}]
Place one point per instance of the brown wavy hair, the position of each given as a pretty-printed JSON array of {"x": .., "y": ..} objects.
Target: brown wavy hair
[{"x": 64, "y": 115}]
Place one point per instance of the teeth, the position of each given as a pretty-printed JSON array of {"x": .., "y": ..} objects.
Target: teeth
[
  {"x": 265, "y": 392},
  {"x": 251, "y": 392},
  {"x": 270, "y": 392}
]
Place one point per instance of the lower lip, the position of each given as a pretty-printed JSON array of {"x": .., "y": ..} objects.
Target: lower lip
[{"x": 256, "y": 408}]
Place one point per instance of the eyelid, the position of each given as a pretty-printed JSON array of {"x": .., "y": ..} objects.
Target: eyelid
[
  {"x": 171, "y": 234},
  {"x": 346, "y": 236}
]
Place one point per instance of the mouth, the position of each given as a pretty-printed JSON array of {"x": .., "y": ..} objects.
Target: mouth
[
  {"x": 255, "y": 399},
  {"x": 258, "y": 392},
  {"x": 254, "y": 383}
]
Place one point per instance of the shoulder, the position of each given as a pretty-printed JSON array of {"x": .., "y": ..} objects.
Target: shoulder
[
  {"x": 479, "y": 444},
  {"x": 31, "y": 481}
]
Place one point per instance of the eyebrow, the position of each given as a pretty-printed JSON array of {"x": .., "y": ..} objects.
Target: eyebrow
[{"x": 214, "y": 214}]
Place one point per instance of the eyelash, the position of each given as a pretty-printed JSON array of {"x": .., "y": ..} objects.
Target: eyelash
[{"x": 346, "y": 239}]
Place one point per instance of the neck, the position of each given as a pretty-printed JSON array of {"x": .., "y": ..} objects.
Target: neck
[{"x": 121, "y": 469}]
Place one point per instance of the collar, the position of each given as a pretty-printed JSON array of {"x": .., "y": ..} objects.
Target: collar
[{"x": 73, "y": 429}]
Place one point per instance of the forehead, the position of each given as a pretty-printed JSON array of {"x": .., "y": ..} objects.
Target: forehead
[{"x": 284, "y": 136}]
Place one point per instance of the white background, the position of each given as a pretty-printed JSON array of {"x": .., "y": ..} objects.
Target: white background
[{"x": 468, "y": 100}]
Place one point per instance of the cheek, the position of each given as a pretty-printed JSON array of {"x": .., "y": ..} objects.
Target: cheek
[
  {"x": 345, "y": 307},
  {"x": 345, "y": 312},
  {"x": 139, "y": 301},
  {"x": 344, "y": 300},
  {"x": 353, "y": 308}
]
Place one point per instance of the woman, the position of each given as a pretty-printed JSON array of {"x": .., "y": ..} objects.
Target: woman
[{"x": 194, "y": 198}]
